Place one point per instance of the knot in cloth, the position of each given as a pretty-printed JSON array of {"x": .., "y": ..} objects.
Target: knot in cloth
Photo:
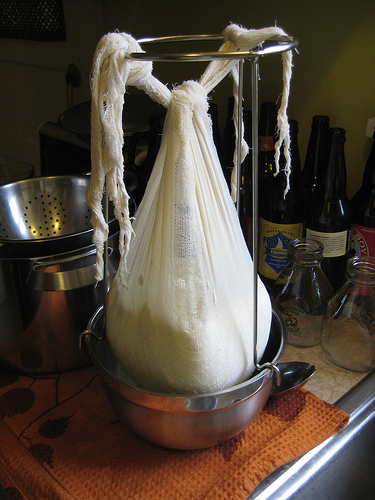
[
  {"x": 115, "y": 49},
  {"x": 187, "y": 100}
]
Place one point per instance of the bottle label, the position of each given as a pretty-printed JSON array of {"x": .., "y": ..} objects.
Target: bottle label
[
  {"x": 273, "y": 246},
  {"x": 266, "y": 143},
  {"x": 335, "y": 244},
  {"x": 363, "y": 240}
]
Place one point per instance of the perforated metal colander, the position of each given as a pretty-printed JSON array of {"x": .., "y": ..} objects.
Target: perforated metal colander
[{"x": 44, "y": 215}]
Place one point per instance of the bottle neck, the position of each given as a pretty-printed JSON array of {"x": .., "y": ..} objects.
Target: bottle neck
[
  {"x": 268, "y": 120},
  {"x": 369, "y": 173},
  {"x": 315, "y": 150},
  {"x": 305, "y": 251},
  {"x": 333, "y": 179},
  {"x": 361, "y": 270}
]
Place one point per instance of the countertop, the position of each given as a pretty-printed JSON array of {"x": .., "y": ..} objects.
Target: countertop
[{"x": 329, "y": 382}]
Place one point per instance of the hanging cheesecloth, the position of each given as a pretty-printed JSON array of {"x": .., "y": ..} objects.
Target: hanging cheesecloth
[{"x": 180, "y": 310}]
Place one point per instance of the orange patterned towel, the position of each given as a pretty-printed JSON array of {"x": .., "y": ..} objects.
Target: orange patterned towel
[{"x": 59, "y": 439}]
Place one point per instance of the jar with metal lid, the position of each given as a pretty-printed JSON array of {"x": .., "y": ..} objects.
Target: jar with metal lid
[
  {"x": 348, "y": 330},
  {"x": 302, "y": 292}
]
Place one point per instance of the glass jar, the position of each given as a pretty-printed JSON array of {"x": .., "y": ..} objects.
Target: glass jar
[
  {"x": 348, "y": 330},
  {"x": 302, "y": 292}
]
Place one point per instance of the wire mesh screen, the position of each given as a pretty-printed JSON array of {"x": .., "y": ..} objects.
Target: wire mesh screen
[{"x": 41, "y": 21}]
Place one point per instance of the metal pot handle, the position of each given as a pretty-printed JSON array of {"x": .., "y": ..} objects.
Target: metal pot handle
[{"x": 44, "y": 278}]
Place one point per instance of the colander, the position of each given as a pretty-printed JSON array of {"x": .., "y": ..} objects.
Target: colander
[{"x": 44, "y": 216}]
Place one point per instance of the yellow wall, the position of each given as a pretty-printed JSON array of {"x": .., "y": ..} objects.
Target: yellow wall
[{"x": 334, "y": 72}]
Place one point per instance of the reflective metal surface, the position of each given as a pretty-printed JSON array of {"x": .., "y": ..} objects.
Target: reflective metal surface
[
  {"x": 342, "y": 467},
  {"x": 44, "y": 304},
  {"x": 279, "y": 44},
  {"x": 293, "y": 374},
  {"x": 190, "y": 421},
  {"x": 45, "y": 216}
]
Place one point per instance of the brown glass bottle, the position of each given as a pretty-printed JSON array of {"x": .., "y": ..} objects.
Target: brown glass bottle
[
  {"x": 213, "y": 112},
  {"x": 267, "y": 134},
  {"x": 314, "y": 155},
  {"x": 229, "y": 143},
  {"x": 363, "y": 208},
  {"x": 328, "y": 215},
  {"x": 281, "y": 215},
  {"x": 246, "y": 196}
]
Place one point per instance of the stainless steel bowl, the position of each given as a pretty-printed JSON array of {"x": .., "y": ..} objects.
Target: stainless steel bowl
[
  {"x": 183, "y": 421},
  {"x": 46, "y": 216}
]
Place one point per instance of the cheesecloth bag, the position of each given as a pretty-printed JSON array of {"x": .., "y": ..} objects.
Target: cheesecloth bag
[{"x": 179, "y": 315}]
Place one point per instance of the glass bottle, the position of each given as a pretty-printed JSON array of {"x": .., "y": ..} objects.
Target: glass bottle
[
  {"x": 302, "y": 292},
  {"x": 281, "y": 215},
  {"x": 213, "y": 112},
  {"x": 363, "y": 207},
  {"x": 246, "y": 195},
  {"x": 229, "y": 143},
  {"x": 348, "y": 329},
  {"x": 314, "y": 155},
  {"x": 267, "y": 137},
  {"x": 328, "y": 215}
]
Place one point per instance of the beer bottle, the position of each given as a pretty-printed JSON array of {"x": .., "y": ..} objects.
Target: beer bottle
[
  {"x": 267, "y": 134},
  {"x": 246, "y": 195},
  {"x": 363, "y": 207},
  {"x": 229, "y": 143},
  {"x": 281, "y": 214},
  {"x": 314, "y": 155},
  {"x": 328, "y": 215}
]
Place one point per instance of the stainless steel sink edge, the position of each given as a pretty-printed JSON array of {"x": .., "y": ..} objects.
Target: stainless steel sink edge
[{"x": 317, "y": 474}]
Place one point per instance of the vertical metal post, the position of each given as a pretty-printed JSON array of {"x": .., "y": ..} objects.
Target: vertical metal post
[
  {"x": 254, "y": 137},
  {"x": 239, "y": 131}
]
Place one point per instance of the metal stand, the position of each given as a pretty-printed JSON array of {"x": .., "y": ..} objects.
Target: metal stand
[{"x": 277, "y": 45}]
